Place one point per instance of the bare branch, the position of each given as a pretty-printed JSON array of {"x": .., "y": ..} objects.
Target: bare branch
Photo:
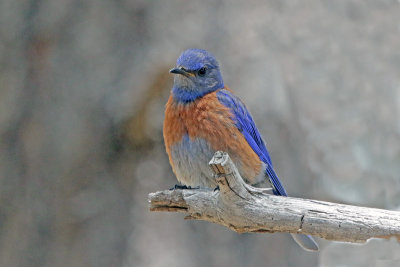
[{"x": 244, "y": 208}]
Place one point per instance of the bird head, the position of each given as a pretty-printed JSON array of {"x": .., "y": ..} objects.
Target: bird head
[{"x": 196, "y": 74}]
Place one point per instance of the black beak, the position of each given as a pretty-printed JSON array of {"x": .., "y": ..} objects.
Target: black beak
[{"x": 181, "y": 71}]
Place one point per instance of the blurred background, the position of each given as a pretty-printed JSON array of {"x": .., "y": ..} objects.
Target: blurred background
[{"x": 83, "y": 86}]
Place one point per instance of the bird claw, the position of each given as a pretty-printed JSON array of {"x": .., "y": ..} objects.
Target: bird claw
[{"x": 178, "y": 186}]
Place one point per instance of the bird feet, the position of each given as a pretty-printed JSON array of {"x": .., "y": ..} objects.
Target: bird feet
[{"x": 179, "y": 186}]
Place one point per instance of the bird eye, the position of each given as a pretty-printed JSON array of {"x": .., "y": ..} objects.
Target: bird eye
[{"x": 202, "y": 71}]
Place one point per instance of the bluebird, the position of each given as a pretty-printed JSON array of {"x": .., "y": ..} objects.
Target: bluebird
[{"x": 203, "y": 116}]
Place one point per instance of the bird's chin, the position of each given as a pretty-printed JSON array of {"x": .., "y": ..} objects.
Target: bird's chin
[{"x": 181, "y": 81}]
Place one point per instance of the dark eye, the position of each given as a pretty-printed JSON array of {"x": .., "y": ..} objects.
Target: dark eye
[{"x": 202, "y": 71}]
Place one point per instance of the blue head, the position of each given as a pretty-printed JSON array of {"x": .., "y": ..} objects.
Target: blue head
[{"x": 197, "y": 73}]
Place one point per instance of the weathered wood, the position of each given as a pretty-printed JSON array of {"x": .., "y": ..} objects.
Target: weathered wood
[{"x": 244, "y": 208}]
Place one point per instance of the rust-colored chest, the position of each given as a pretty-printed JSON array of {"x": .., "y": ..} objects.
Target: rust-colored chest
[
  {"x": 207, "y": 119},
  {"x": 203, "y": 118}
]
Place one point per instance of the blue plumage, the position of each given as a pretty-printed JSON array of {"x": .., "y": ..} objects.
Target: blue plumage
[
  {"x": 192, "y": 84},
  {"x": 247, "y": 127},
  {"x": 194, "y": 59},
  {"x": 198, "y": 76},
  {"x": 186, "y": 96}
]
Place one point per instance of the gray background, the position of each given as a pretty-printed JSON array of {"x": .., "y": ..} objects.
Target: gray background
[{"x": 83, "y": 86}]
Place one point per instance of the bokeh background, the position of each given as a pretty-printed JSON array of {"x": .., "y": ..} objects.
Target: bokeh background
[{"x": 83, "y": 86}]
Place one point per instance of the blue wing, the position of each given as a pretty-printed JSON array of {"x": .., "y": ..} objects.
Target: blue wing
[{"x": 245, "y": 124}]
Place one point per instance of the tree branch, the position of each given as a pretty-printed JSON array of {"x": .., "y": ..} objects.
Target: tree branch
[{"x": 244, "y": 208}]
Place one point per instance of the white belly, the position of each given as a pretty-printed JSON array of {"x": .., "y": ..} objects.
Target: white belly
[{"x": 190, "y": 158}]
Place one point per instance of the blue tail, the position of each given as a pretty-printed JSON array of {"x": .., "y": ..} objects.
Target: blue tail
[{"x": 306, "y": 242}]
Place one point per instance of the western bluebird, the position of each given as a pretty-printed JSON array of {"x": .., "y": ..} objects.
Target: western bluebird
[{"x": 203, "y": 116}]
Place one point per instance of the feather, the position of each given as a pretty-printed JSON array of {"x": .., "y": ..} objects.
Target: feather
[{"x": 245, "y": 124}]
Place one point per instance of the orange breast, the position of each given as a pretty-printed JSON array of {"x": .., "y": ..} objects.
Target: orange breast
[{"x": 208, "y": 119}]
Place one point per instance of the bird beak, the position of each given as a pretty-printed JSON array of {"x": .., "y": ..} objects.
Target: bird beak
[{"x": 179, "y": 71}]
